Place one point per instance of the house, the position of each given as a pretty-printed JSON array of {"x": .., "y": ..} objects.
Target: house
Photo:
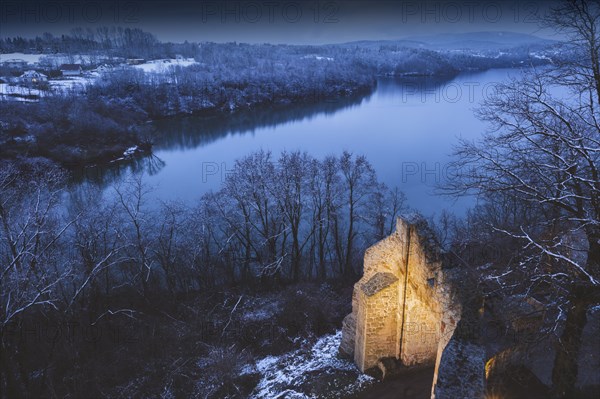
[
  {"x": 104, "y": 68},
  {"x": 15, "y": 63},
  {"x": 135, "y": 61},
  {"x": 32, "y": 78},
  {"x": 71, "y": 70}
]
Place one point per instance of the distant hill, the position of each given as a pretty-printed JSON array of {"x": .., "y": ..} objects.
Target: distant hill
[
  {"x": 378, "y": 43},
  {"x": 459, "y": 41},
  {"x": 481, "y": 39}
]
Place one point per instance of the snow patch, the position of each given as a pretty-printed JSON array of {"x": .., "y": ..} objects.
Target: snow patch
[
  {"x": 19, "y": 93},
  {"x": 127, "y": 154},
  {"x": 130, "y": 151},
  {"x": 29, "y": 58},
  {"x": 64, "y": 85},
  {"x": 282, "y": 375},
  {"x": 161, "y": 66},
  {"x": 318, "y": 57}
]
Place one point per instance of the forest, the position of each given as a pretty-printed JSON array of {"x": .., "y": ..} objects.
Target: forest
[
  {"x": 99, "y": 124},
  {"x": 275, "y": 222},
  {"x": 107, "y": 292}
]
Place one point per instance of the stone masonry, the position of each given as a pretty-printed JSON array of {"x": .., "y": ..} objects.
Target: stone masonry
[
  {"x": 402, "y": 307},
  {"x": 406, "y": 307}
]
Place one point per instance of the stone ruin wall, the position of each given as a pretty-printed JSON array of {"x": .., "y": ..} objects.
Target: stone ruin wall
[
  {"x": 402, "y": 307},
  {"x": 405, "y": 307}
]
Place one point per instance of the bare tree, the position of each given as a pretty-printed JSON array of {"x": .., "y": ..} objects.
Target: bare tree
[
  {"x": 167, "y": 245},
  {"x": 297, "y": 217},
  {"x": 290, "y": 189},
  {"x": 359, "y": 182},
  {"x": 324, "y": 193},
  {"x": 577, "y": 21},
  {"x": 255, "y": 218},
  {"x": 34, "y": 265},
  {"x": 544, "y": 151},
  {"x": 131, "y": 198},
  {"x": 97, "y": 237},
  {"x": 385, "y": 207}
]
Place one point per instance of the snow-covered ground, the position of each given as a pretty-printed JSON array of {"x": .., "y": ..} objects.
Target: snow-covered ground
[
  {"x": 127, "y": 154},
  {"x": 292, "y": 375},
  {"x": 55, "y": 60},
  {"x": 157, "y": 66},
  {"x": 74, "y": 83},
  {"x": 318, "y": 57},
  {"x": 30, "y": 58},
  {"x": 16, "y": 92},
  {"x": 58, "y": 59},
  {"x": 19, "y": 93},
  {"x": 48, "y": 59}
]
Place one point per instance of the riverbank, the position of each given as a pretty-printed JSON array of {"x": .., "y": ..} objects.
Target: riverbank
[
  {"x": 96, "y": 148},
  {"x": 109, "y": 125}
]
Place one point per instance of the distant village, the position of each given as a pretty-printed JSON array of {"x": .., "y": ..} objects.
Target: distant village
[{"x": 27, "y": 77}]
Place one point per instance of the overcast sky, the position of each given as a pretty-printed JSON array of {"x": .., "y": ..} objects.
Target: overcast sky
[{"x": 296, "y": 22}]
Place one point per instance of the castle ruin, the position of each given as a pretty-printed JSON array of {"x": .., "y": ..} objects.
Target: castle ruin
[
  {"x": 406, "y": 312},
  {"x": 403, "y": 307}
]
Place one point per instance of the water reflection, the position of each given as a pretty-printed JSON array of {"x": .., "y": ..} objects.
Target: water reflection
[
  {"x": 192, "y": 132},
  {"x": 189, "y": 132},
  {"x": 107, "y": 175},
  {"x": 406, "y": 128},
  {"x": 406, "y": 87}
]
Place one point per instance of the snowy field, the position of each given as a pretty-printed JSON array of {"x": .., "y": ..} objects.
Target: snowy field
[
  {"x": 30, "y": 58},
  {"x": 159, "y": 66},
  {"x": 48, "y": 59},
  {"x": 74, "y": 84},
  {"x": 17, "y": 92}
]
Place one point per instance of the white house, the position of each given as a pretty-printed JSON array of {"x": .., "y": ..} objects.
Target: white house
[
  {"x": 32, "y": 77},
  {"x": 104, "y": 68},
  {"x": 71, "y": 70},
  {"x": 135, "y": 61}
]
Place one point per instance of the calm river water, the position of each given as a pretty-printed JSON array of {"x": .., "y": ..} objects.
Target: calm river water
[{"x": 406, "y": 128}]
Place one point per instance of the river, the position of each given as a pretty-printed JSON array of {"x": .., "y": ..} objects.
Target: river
[{"x": 406, "y": 128}]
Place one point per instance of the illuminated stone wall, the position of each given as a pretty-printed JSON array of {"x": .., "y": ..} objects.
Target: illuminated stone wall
[
  {"x": 378, "y": 335},
  {"x": 402, "y": 307}
]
